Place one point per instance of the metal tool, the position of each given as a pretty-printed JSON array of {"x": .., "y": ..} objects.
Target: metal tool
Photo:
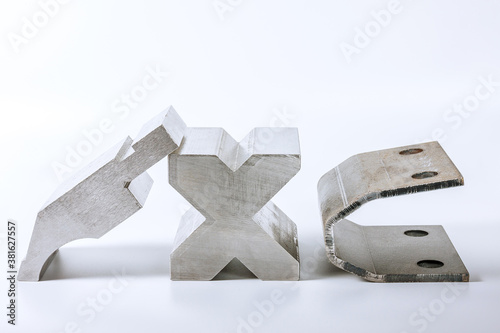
[
  {"x": 389, "y": 253},
  {"x": 229, "y": 185},
  {"x": 103, "y": 194}
]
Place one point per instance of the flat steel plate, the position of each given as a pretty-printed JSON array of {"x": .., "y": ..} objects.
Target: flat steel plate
[{"x": 400, "y": 253}]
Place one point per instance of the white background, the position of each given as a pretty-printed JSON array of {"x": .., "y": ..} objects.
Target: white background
[{"x": 236, "y": 71}]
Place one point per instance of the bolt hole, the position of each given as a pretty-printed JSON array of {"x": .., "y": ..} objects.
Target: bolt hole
[
  {"x": 411, "y": 151},
  {"x": 430, "y": 263},
  {"x": 425, "y": 174},
  {"x": 416, "y": 233}
]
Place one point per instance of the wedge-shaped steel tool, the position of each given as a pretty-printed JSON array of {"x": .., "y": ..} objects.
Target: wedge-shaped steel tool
[
  {"x": 389, "y": 253},
  {"x": 103, "y": 194},
  {"x": 229, "y": 185}
]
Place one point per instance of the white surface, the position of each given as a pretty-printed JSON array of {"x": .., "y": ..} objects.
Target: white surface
[{"x": 235, "y": 73}]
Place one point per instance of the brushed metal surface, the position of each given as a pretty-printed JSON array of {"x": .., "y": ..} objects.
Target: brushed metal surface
[
  {"x": 387, "y": 254},
  {"x": 230, "y": 185},
  {"x": 102, "y": 194}
]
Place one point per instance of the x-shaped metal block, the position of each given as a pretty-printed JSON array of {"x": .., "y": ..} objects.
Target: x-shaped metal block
[
  {"x": 230, "y": 186},
  {"x": 103, "y": 194}
]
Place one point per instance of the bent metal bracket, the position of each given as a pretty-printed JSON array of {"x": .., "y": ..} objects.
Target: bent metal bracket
[{"x": 389, "y": 253}]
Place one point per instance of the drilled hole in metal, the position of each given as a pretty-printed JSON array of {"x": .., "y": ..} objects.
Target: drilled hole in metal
[
  {"x": 430, "y": 263},
  {"x": 425, "y": 174},
  {"x": 416, "y": 233},
  {"x": 411, "y": 151}
]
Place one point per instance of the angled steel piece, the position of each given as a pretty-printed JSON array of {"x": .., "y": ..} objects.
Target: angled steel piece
[
  {"x": 230, "y": 186},
  {"x": 103, "y": 194},
  {"x": 389, "y": 253}
]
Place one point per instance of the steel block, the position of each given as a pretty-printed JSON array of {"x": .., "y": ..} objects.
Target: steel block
[
  {"x": 230, "y": 185},
  {"x": 101, "y": 195},
  {"x": 389, "y": 253}
]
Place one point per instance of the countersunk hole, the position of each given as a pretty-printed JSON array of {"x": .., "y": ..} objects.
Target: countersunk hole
[
  {"x": 411, "y": 151},
  {"x": 430, "y": 263},
  {"x": 425, "y": 174},
  {"x": 416, "y": 233}
]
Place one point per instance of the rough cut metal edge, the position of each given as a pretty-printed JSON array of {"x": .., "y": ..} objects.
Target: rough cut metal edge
[
  {"x": 101, "y": 195},
  {"x": 332, "y": 214}
]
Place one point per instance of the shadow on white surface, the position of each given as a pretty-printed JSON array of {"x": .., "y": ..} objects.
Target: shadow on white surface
[
  {"x": 314, "y": 264},
  {"x": 148, "y": 260},
  {"x": 234, "y": 270},
  {"x": 154, "y": 260},
  {"x": 88, "y": 262}
]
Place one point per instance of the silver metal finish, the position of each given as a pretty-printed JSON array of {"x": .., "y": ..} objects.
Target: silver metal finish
[
  {"x": 103, "y": 194},
  {"x": 389, "y": 253},
  {"x": 229, "y": 185}
]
